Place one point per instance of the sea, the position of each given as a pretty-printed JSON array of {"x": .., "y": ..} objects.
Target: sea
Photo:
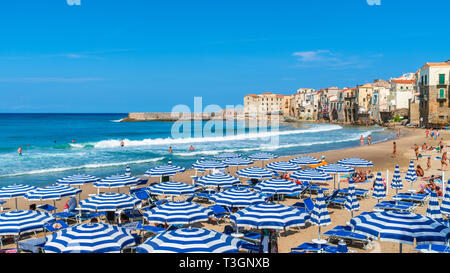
[{"x": 58, "y": 145}]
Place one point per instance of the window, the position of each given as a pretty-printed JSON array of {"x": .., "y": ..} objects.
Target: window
[
  {"x": 441, "y": 93},
  {"x": 441, "y": 78},
  {"x": 426, "y": 79}
]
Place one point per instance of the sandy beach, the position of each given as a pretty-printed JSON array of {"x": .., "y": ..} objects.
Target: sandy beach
[{"x": 380, "y": 154}]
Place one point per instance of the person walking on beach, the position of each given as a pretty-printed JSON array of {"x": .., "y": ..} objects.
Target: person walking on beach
[
  {"x": 398, "y": 133},
  {"x": 416, "y": 151},
  {"x": 369, "y": 140},
  {"x": 444, "y": 161},
  {"x": 20, "y": 150},
  {"x": 441, "y": 146},
  {"x": 429, "y": 163},
  {"x": 394, "y": 151},
  {"x": 362, "y": 140}
]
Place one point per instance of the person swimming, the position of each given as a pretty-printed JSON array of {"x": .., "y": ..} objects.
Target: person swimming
[
  {"x": 170, "y": 149},
  {"x": 191, "y": 148},
  {"x": 20, "y": 150},
  {"x": 122, "y": 143}
]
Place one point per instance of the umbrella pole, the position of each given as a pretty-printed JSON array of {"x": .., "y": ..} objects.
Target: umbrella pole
[
  {"x": 319, "y": 232},
  {"x": 16, "y": 204},
  {"x": 400, "y": 248}
]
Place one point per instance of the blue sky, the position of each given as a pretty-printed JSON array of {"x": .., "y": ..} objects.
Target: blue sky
[{"x": 136, "y": 55}]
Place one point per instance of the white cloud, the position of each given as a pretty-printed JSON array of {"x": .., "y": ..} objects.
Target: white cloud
[{"x": 328, "y": 59}]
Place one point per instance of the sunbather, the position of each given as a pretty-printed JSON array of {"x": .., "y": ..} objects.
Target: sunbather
[
  {"x": 419, "y": 171},
  {"x": 431, "y": 186}
]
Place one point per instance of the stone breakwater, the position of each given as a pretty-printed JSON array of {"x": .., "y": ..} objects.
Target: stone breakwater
[{"x": 171, "y": 116}]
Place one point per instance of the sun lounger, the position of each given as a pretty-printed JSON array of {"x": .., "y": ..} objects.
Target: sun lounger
[
  {"x": 307, "y": 205},
  {"x": 204, "y": 197},
  {"x": 351, "y": 238},
  {"x": 314, "y": 248},
  {"x": 87, "y": 215},
  {"x": 142, "y": 195},
  {"x": 33, "y": 245},
  {"x": 412, "y": 197},
  {"x": 220, "y": 214},
  {"x": 395, "y": 205},
  {"x": 335, "y": 200},
  {"x": 47, "y": 208},
  {"x": 360, "y": 193},
  {"x": 251, "y": 248},
  {"x": 430, "y": 248}
]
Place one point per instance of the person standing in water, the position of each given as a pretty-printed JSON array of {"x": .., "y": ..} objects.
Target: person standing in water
[
  {"x": 122, "y": 143},
  {"x": 362, "y": 140},
  {"x": 170, "y": 149},
  {"x": 191, "y": 148},
  {"x": 20, "y": 150},
  {"x": 369, "y": 140}
]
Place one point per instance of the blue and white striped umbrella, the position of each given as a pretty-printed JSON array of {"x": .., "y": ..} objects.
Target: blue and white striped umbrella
[
  {"x": 116, "y": 181},
  {"x": 335, "y": 168},
  {"x": 269, "y": 216},
  {"x": 172, "y": 188},
  {"x": 209, "y": 165},
  {"x": 51, "y": 192},
  {"x": 237, "y": 198},
  {"x": 355, "y": 162},
  {"x": 128, "y": 171},
  {"x": 283, "y": 166},
  {"x": 178, "y": 213},
  {"x": 262, "y": 156},
  {"x": 278, "y": 186},
  {"x": 379, "y": 191},
  {"x": 89, "y": 238},
  {"x": 396, "y": 182},
  {"x": 311, "y": 175},
  {"x": 400, "y": 227},
  {"x": 224, "y": 156},
  {"x": 19, "y": 222},
  {"x": 238, "y": 161},
  {"x": 77, "y": 180},
  {"x": 109, "y": 202},
  {"x": 13, "y": 191},
  {"x": 305, "y": 160},
  {"x": 190, "y": 240},
  {"x": 255, "y": 172},
  {"x": 351, "y": 203},
  {"x": 445, "y": 205},
  {"x": 165, "y": 170},
  {"x": 218, "y": 180},
  {"x": 433, "y": 210},
  {"x": 411, "y": 175},
  {"x": 319, "y": 214}
]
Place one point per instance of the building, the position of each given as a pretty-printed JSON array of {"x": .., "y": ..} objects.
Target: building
[
  {"x": 364, "y": 98},
  {"x": 266, "y": 104},
  {"x": 380, "y": 105},
  {"x": 350, "y": 105},
  {"x": 304, "y": 104},
  {"x": 433, "y": 85},
  {"x": 402, "y": 91}
]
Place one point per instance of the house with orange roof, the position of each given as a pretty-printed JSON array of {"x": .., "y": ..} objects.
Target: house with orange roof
[
  {"x": 433, "y": 86},
  {"x": 266, "y": 104}
]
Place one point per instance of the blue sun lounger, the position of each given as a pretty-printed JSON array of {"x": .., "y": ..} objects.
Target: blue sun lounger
[
  {"x": 395, "y": 205},
  {"x": 307, "y": 205},
  {"x": 360, "y": 193},
  {"x": 314, "y": 248},
  {"x": 411, "y": 197},
  {"x": 430, "y": 248},
  {"x": 219, "y": 212},
  {"x": 335, "y": 200},
  {"x": 351, "y": 238}
]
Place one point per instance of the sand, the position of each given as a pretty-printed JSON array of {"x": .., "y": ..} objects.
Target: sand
[{"x": 380, "y": 154}]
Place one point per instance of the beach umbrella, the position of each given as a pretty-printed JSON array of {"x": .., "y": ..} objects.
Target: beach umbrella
[
  {"x": 89, "y": 238},
  {"x": 379, "y": 191},
  {"x": 278, "y": 186},
  {"x": 109, "y": 202},
  {"x": 355, "y": 162},
  {"x": 445, "y": 205},
  {"x": 172, "y": 188},
  {"x": 218, "y": 180},
  {"x": 319, "y": 214},
  {"x": 311, "y": 175},
  {"x": 396, "y": 183},
  {"x": 166, "y": 170},
  {"x": 262, "y": 157},
  {"x": 190, "y": 240},
  {"x": 433, "y": 210},
  {"x": 52, "y": 193},
  {"x": 269, "y": 216},
  {"x": 237, "y": 198},
  {"x": 224, "y": 156},
  {"x": 14, "y": 191},
  {"x": 283, "y": 166},
  {"x": 18, "y": 222},
  {"x": 209, "y": 165},
  {"x": 335, "y": 169},
  {"x": 351, "y": 203},
  {"x": 116, "y": 181},
  {"x": 400, "y": 227},
  {"x": 305, "y": 160},
  {"x": 411, "y": 175},
  {"x": 239, "y": 161},
  {"x": 77, "y": 180},
  {"x": 255, "y": 173},
  {"x": 128, "y": 171},
  {"x": 178, "y": 213}
]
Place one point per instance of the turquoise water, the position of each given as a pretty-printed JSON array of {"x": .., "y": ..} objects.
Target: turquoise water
[{"x": 50, "y": 154}]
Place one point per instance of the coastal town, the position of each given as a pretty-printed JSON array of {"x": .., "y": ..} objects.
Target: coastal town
[{"x": 419, "y": 99}]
